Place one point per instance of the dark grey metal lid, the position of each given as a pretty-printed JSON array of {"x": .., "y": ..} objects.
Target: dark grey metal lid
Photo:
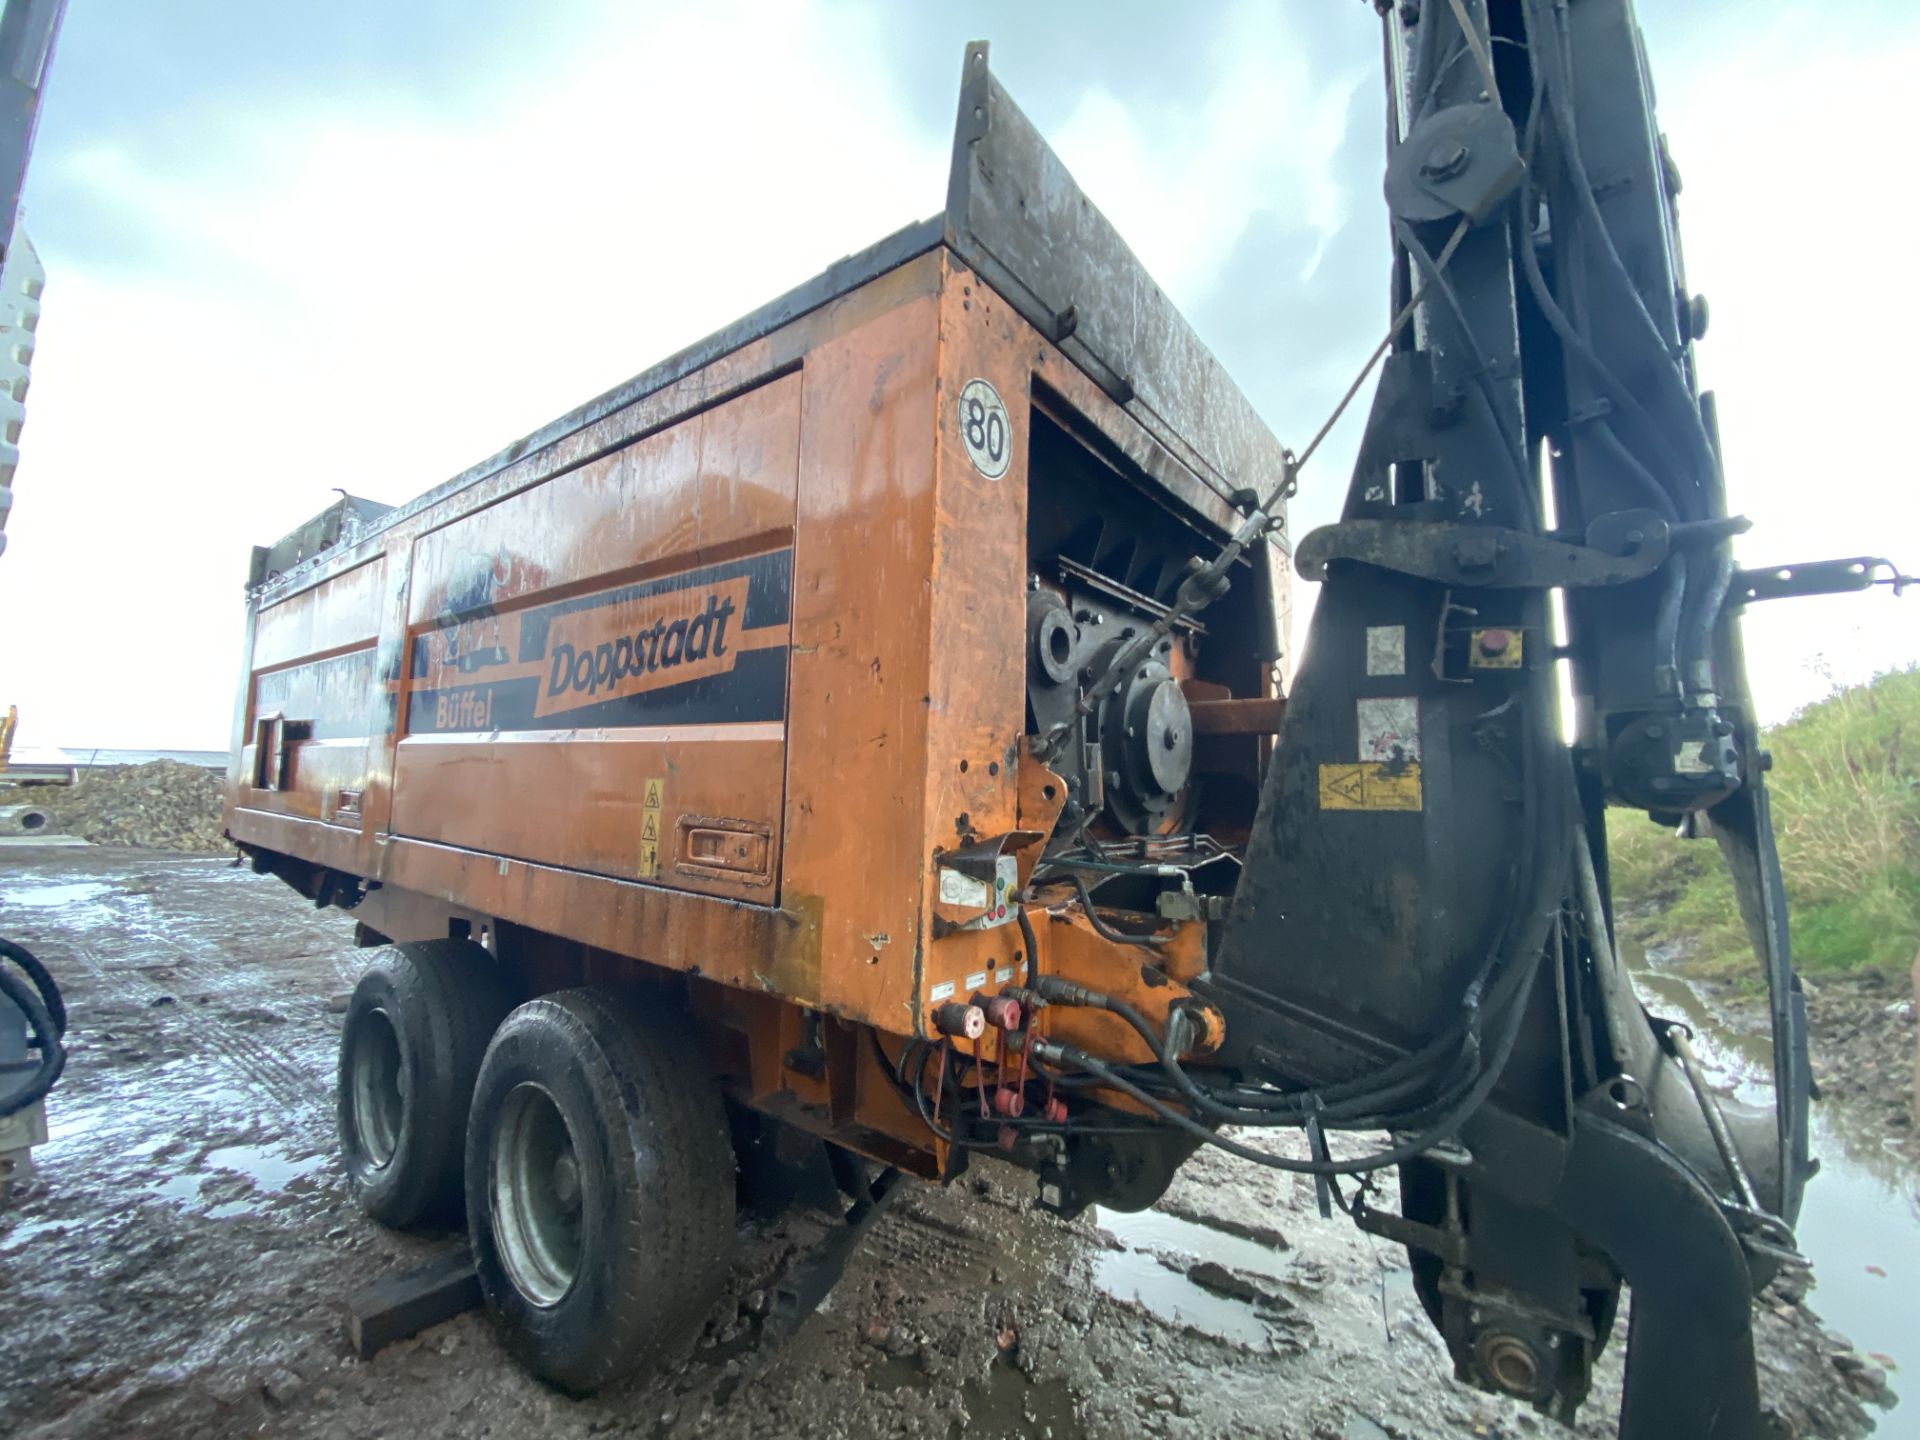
[{"x": 1017, "y": 218}]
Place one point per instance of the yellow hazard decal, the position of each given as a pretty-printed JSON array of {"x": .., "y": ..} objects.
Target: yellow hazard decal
[
  {"x": 650, "y": 831},
  {"x": 1370, "y": 786}
]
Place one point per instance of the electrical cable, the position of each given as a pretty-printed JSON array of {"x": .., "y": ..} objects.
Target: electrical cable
[
  {"x": 1399, "y": 320},
  {"x": 891, "y": 1068},
  {"x": 1483, "y": 61},
  {"x": 1497, "y": 991},
  {"x": 1692, "y": 600},
  {"x": 1612, "y": 385},
  {"x": 1441, "y": 1071},
  {"x": 1630, "y": 466},
  {"x": 1365, "y": 1102}
]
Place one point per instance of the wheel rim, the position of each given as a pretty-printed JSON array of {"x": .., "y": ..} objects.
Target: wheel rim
[
  {"x": 538, "y": 1198},
  {"x": 378, "y": 1087}
]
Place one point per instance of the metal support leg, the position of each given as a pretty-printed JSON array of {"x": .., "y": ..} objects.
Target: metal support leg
[{"x": 1690, "y": 1368}]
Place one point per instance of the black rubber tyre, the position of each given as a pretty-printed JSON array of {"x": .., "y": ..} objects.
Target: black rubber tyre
[
  {"x": 416, "y": 1029},
  {"x": 600, "y": 1191}
]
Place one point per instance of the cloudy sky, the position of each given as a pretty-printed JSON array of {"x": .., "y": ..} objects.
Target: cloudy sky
[{"x": 363, "y": 244}]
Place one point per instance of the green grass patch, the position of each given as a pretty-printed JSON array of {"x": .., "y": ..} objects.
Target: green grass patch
[{"x": 1846, "y": 813}]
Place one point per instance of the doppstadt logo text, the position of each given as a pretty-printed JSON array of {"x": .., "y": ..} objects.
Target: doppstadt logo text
[{"x": 664, "y": 640}]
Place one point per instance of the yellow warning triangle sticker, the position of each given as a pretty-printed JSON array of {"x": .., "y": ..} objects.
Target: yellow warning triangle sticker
[{"x": 1342, "y": 787}]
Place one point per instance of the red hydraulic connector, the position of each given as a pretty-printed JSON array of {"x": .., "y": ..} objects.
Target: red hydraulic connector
[
  {"x": 1002, "y": 1011},
  {"x": 1009, "y": 1101}
]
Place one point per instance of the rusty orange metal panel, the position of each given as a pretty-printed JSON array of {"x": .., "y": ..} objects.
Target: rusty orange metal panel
[
  {"x": 596, "y": 665},
  {"x": 314, "y": 698},
  {"x": 733, "y": 373},
  {"x": 309, "y": 711},
  {"x": 624, "y": 515},
  {"x": 1072, "y": 949},
  {"x": 323, "y": 780},
  {"x": 335, "y": 614},
  {"x": 978, "y": 707},
  {"x": 718, "y": 482},
  {"x": 719, "y": 939},
  {"x": 863, "y": 569},
  {"x": 506, "y": 794},
  {"x": 311, "y": 840}
]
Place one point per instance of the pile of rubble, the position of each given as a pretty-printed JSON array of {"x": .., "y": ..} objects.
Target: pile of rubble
[{"x": 162, "y": 805}]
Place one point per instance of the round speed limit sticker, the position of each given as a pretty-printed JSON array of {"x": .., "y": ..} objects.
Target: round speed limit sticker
[{"x": 984, "y": 429}]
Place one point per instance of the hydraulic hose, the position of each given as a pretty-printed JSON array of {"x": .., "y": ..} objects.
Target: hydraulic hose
[
  {"x": 42, "y": 981},
  {"x": 1704, "y": 603},
  {"x": 1100, "y": 927},
  {"x": 39, "y": 1002},
  {"x": 1553, "y": 81},
  {"x": 1366, "y": 1097},
  {"x": 1033, "y": 940},
  {"x": 1666, "y": 627},
  {"x": 1443, "y": 1129}
]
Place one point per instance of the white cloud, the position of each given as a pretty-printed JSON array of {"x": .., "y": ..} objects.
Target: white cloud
[
  {"x": 374, "y": 292},
  {"x": 361, "y": 296},
  {"x": 1180, "y": 182}
]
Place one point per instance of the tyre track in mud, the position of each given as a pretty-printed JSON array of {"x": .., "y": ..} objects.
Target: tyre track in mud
[
  {"x": 274, "y": 1077},
  {"x": 315, "y": 936},
  {"x": 113, "y": 937}
]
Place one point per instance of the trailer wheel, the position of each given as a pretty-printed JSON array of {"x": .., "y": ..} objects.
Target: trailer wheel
[
  {"x": 600, "y": 1190},
  {"x": 416, "y": 1029}
]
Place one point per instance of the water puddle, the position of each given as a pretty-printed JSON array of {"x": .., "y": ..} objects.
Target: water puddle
[
  {"x": 1156, "y": 1230},
  {"x": 27, "y": 1230},
  {"x": 1157, "y": 1259},
  {"x": 183, "y": 1189},
  {"x": 52, "y": 896},
  {"x": 1862, "y": 1232},
  {"x": 895, "y": 1372},
  {"x": 265, "y": 1170},
  {"x": 269, "y": 1169},
  {"x": 1860, "y": 1221},
  {"x": 1006, "y": 1405},
  {"x": 220, "y": 1099}
]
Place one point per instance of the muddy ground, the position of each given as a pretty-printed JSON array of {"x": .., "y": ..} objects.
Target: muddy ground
[
  {"x": 177, "y": 1265},
  {"x": 1864, "y": 1029}
]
